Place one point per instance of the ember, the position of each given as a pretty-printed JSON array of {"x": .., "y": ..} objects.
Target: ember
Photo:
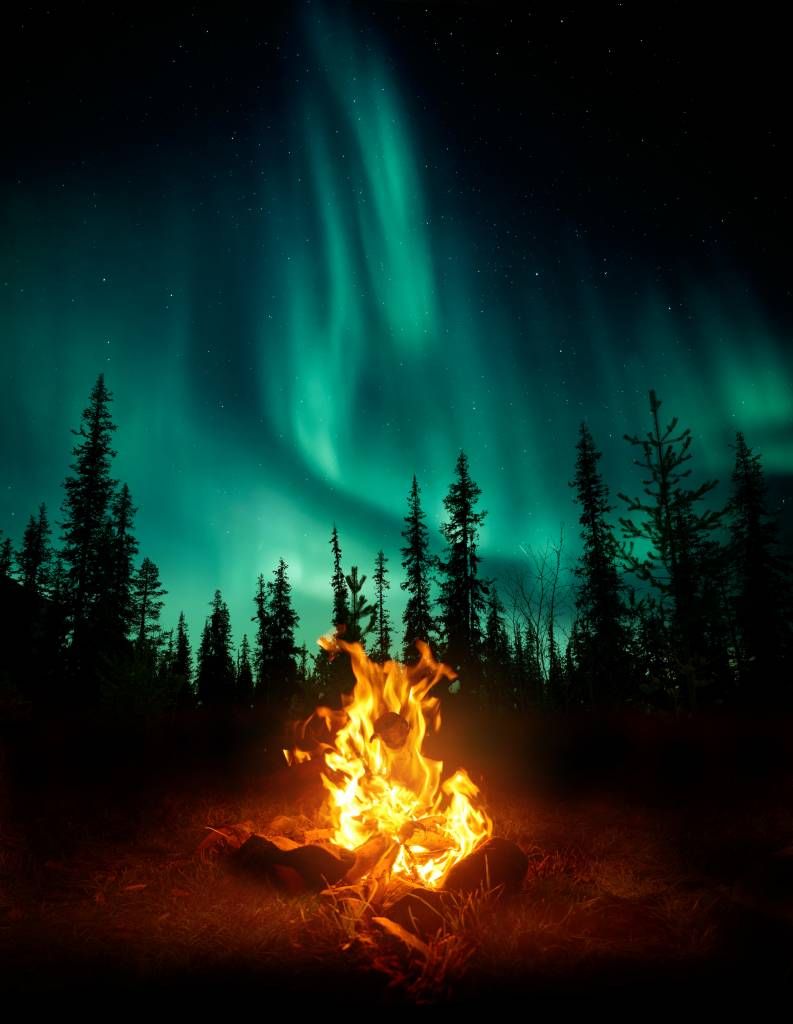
[{"x": 387, "y": 801}]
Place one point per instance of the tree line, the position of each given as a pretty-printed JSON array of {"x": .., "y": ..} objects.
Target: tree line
[{"x": 679, "y": 603}]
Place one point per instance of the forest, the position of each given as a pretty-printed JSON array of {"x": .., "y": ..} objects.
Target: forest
[{"x": 680, "y": 598}]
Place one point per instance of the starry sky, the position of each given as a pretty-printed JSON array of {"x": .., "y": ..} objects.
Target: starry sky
[{"x": 319, "y": 247}]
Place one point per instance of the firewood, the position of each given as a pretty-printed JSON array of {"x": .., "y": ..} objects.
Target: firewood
[
  {"x": 498, "y": 863},
  {"x": 375, "y": 855},
  {"x": 292, "y": 827},
  {"x": 392, "y": 729},
  {"x": 316, "y": 866}
]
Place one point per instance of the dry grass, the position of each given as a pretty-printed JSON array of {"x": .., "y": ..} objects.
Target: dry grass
[{"x": 613, "y": 893}]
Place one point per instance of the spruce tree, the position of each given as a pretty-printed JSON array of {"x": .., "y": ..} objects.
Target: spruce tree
[
  {"x": 362, "y": 615},
  {"x": 463, "y": 593},
  {"x": 601, "y": 639},
  {"x": 147, "y": 605},
  {"x": 382, "y": 650},
  {"x": 417, "y": 617},
  {"x": 761, "y": 592},
  {"x": 123, "y": 548},
  {"x": 283, "y": 621},
  {"x": 341, "y": 608},
  {"x": 496, "y": 654},
  {"x": 89, "y": 491},
  {"x": 6, "y": 558},
  {"x": 244, "y": 674},
  {"x": 262, "y": 658},
  {"x": 216, "y": 676},
  {"x": 682, "y": 561},
  {"x": 35, "y": 557},
  {"x": 183, "y": 666}
]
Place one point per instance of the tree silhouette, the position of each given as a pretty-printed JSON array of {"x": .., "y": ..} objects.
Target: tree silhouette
[
  {"x": 762, "y": 598},
  {"x": 417, "y": 619},
  {"x": 341, "y": 608},
  {"x": 362, "y": 614},
  {"x": 216, "y": 676},
  {"x": 261, "y": 658},
  {"x": 382, "y": 650},
  {"x": 283, "y": 621},
  {"x": 463, "y": 593},
  {"x": 6, "y": 558},
  {"x": 681, "y": 561},
  {"x": 89, "y": 491},
  {"x": 182, "y": 666},
  {"x": 496, "y": 654},
  {"x": 600, "y": 644},
  {"x": 35, "y": 556},
  {"x": 121, "y": 563},
  {"x": 147, "y": 605},
  {"x": 244, "y": 674}
]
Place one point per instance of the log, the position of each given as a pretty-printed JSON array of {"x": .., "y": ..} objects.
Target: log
[
  {"x": 392, "y": 729},
  {"x": 314, "y": 865},
  {"x": 498, "y": 863},
  {"x": 372, "y": 857}
]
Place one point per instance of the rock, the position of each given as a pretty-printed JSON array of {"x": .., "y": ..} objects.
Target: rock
[
  {"x": 421, "y": 911},
  {"x": 498, "y": 863}
]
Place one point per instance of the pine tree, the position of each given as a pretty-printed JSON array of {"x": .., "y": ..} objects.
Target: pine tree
[
  {"x": 35, "y": 558},
  {"x": 244, "y": 675},
  {"x": 362, "y": 614},
  {"x": 262, "y": 658},
  {"x": 417, "y": 618},
  {"x": 123, "y": 548},
  {"x": 341, "y": 609},
  {"x": 283, "y": 621},
  {"x": 89, "y": 492},
  {"x": 205, "y": 688},
  {"x": 463, "y": 593},
  {"x": 601, "y": 639},
  {"x": 497, "y": 659},
  {"x": 556, "y": 695},
  {"x": 183, "y": 666},
  {"x": 762, "y": 595},
  {"x": 147, "y": 605},
  {"x": 6, "y": 559},
  {"x": 682, "y": 560},
  {"x": 216, "y": 676},
  {"x": 382, "y": 650}
]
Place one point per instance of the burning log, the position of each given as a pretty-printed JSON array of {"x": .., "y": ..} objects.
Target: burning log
[
  {"x": 392, "y": 729},
  {"x": 498, "y": 863},
  {"x": 375, "y": 857}
]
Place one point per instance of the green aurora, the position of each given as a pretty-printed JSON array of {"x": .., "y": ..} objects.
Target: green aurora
[{"x": 292, "y": 333}]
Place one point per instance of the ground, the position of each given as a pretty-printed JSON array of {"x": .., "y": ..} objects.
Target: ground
[{"x": 635, "y": 881}]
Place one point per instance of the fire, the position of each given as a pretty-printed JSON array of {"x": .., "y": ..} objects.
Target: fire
[{"x": 383, "y": 793}]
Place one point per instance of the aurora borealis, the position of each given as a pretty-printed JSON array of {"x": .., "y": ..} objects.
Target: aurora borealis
[{"x": 321, "y": 248}]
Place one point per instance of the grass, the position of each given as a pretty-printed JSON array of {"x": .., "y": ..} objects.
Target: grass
[{"x": 105, "y": 892}]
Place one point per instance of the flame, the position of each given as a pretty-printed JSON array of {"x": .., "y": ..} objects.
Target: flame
[{"x": 380, "y": 787}]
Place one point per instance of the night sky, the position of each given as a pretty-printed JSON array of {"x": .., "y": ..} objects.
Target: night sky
[{"x": 319, "y": 247}]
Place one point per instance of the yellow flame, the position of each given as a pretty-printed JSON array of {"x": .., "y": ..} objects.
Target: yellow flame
[{"x": 379, "y": 784}]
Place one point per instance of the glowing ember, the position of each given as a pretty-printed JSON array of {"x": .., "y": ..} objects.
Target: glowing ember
[{"x": 381, "y": 788}]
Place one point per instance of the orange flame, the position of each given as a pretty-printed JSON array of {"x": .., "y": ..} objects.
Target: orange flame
[{"x": 380, "y": 785}]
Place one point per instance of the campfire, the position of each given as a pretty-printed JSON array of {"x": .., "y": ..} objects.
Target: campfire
[
  {"x": 386, "y": 800},
  {"x": 391, "y": 824}
]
